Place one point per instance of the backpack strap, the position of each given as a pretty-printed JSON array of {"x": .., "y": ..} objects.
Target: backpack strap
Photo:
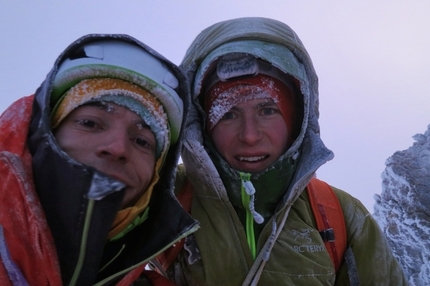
[
  {"x": 164, "y": 260},
  {"x": 329, "y": 218}
]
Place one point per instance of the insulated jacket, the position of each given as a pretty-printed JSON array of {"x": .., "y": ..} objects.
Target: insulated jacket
[
  {"x": 289, "y": 249},
  {"x": 56, "y": 213}
]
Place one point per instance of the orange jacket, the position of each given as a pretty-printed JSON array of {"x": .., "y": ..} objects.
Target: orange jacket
[{"x": 25, "y": 237}]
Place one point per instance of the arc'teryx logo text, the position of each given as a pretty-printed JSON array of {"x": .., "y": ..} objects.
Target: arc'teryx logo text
[{"x": 304, "y": 235}]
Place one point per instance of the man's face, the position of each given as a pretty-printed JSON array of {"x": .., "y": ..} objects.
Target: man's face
[
  {"x": 115, "y": 141},
  {"x": 252, "y": 135}
]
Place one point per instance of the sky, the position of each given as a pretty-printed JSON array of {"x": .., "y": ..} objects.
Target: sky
[{"x": 372, "y": 58}]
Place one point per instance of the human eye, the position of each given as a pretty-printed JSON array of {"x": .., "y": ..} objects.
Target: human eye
[
  {"x": 268, "y": 111},
  {"x": 229, "y": 115},
  {"x": 88, "y": 123},
  {"x": 143, "y": 138},
  {"x": 142, "y": 142}
]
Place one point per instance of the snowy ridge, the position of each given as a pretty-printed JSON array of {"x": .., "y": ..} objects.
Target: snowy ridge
[{"x": 403, "y": 208}]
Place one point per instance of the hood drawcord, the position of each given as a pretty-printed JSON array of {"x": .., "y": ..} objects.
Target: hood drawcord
[
  {"x": 250, "y": 191},
  {"x": 248, "y": 197},
  {"x": 12, "y": 270}
]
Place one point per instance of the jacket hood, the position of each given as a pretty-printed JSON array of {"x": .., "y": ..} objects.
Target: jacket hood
[
  {"x": 276, "y": 43},
  {"x": 81, "y": 203}
]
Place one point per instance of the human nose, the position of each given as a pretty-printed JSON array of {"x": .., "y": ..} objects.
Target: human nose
[
  {"x": 114, "y": 146},
  {"x": 249, "y": 131}
]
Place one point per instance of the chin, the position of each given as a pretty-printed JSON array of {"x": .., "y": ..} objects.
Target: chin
[{"x": 252, "y": 170}]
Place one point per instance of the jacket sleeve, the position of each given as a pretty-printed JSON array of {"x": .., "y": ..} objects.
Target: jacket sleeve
[
  {"x": 25, "y": 239},
  {"x": 375, "y": 261}
]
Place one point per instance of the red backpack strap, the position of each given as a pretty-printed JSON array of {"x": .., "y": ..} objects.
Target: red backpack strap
[
  {"x": 329, "y": 218},
  {"x": 131, "y": 276}
]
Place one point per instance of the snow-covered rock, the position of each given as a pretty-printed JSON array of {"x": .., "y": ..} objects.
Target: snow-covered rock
[{"x": 403, "y": 208}]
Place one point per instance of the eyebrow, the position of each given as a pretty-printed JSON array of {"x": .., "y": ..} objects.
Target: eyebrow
[
  {"x": 267, "y": 103},
  {"x": 108, "y": 107},
  {"x": 99, "y": 104},
  {"x": 141, "y": 123}
]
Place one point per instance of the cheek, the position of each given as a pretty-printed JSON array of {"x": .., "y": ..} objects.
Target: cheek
[
  {"x": 146, "y": 166},
  {"x": 222, "y": 137},
  {"x": 77, "y": 145},
  {"x": 279, "y": 136},
  {"x": 68, "y": 143}
]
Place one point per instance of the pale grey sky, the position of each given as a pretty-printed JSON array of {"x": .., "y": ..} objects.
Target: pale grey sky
[{"x": 372, "y": 58}]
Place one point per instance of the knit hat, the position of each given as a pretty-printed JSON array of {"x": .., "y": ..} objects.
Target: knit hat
[{"x": 241, "y": 77}]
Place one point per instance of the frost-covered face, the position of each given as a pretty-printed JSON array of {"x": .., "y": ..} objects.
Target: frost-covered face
[
  {"x": 115, "y": 141},
  {"x": 252, "y": 135}
]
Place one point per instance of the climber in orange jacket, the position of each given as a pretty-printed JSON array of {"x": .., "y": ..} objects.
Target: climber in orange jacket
[{"x": 87, "y": 166}]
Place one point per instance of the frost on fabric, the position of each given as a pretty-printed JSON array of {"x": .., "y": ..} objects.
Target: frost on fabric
[
  {"x": 13, "y": 125},
  {"x": 225, "y": 100},
  {"x": 403, "y": 208},
  {"x": 14, "y": 115},
  {"x": 102, "y": 186},
  {"x": 102, "y": 71},
  {"x": 236, "y": 65}
]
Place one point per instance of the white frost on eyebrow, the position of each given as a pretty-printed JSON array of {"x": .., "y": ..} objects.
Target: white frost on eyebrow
[
  {"x": 106, "y": 106},
  {"x": 109, "y": 107},
  {"x": 140, "y": 126}
]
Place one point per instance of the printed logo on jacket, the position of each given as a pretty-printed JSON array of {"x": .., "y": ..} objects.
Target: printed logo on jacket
[{"x": 304, "y": 241}]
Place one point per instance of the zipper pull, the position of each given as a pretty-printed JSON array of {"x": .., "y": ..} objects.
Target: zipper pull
[{"x": 250, "y": 191}]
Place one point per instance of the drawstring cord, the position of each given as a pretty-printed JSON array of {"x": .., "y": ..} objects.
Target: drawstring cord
[
  {"x": 250, "y": 191},
  {"x": 248, "y": 197}
]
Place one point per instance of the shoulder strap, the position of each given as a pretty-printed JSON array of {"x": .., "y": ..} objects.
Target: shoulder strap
[
  {"x": 163, "y": 261},
  {"x": 329, "y": 218}
]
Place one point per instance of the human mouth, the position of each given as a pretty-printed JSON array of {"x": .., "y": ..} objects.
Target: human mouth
[
  {"x": 251, "y": 159},
  {"x": 120, "y": 179}
]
